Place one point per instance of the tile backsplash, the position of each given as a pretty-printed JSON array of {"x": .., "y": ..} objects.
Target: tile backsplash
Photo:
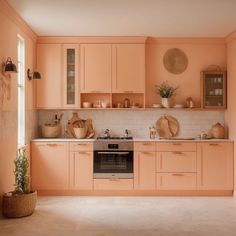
[{"x": 138, "y": 122}]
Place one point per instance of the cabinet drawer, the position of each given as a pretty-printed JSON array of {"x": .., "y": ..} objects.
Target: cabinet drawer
[
  {"x": 176, "y": 181},
  {"x": 176, "y": 162},
  {"x": 144, "y": 146},
  {"x": 81, "y": 146},
  {"x": 176, "y": 146},
  {"x": 113, "y": 184}
]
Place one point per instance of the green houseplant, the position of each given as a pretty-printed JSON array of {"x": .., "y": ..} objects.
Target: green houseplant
[
  {"x": 22, "y": 201},
  {"x": 165, "y": 91}
]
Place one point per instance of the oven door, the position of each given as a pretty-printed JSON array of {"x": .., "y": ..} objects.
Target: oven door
[{"x": 113, "y": 164}]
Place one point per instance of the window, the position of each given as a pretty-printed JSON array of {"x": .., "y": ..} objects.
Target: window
[{"x": 21, "y": 91}]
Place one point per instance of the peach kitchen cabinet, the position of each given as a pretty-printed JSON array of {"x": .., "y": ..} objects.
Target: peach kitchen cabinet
[
  {"x": 50, "y": 165},
  {"x": 95, "y": 71},
  {"x": 81, "y": 166},
  {"x": 176, "y": 166},
  {"x": 128, "y": 68},
  {"x": 144, "y": 166},
  {"x": 49, "y": 87},
  {"x": 70, "y": 70},
  {"x": 216, "y": 166}
]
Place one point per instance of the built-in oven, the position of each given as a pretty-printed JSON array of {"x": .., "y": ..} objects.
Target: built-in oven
[{"x": 113, "y": 159}]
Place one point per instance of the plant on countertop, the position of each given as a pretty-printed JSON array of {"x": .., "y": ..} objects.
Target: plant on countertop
[
  {"x": 21, "y": 173},
  {"x": 165, "y": 90}
]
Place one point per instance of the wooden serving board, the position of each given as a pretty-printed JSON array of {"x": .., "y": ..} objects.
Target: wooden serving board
[{"x": 167, "y": 126}]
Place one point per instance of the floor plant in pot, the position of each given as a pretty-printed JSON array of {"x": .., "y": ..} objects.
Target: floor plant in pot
[
  {"x": 22, "y": 201},
  {"x": 166, "y": 92}
]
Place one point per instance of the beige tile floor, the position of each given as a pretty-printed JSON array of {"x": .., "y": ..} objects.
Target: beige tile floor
[{"x": 108, "y": 216}]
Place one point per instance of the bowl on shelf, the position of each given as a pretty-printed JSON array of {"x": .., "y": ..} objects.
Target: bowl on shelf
[{"x": 87, "y": 105}]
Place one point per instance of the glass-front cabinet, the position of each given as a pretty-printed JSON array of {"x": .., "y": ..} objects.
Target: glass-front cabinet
[
  {"x": 70, "y": 75},
  {"x": 214, "y": 90}
]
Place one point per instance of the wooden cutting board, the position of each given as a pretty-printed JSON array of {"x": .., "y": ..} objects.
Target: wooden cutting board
[{"x": 167, "y": 126}]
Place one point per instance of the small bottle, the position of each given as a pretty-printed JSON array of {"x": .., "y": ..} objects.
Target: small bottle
[{"x": 152, "y": 132}]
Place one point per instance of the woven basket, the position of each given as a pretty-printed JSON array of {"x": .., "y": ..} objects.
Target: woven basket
[{"x": 15, "y": 206}]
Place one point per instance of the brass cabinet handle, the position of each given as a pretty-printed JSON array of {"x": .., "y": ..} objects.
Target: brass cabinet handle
[
  {"x": 51, "y": 144},
  {"x": 214, "y": 144},
  {"x": 177, "y": 144},
  {"x": 82, "y": 144},
  {"x": 146, "y": 153},
  {"x": 128, "y": 91},
  {"x": 178, "y": 174},
  {"x": 178, "y": 153},
  {"x": 83, "y": 153}
]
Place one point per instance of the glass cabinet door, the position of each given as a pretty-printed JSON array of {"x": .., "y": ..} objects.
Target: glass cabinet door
[
  {"x": 70, "y": 76},
  {"x": 214, "y": 90}
]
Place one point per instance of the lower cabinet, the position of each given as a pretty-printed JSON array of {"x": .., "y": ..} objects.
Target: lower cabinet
[
  {"x": 81, "y": 170},
  {"x": 113, "y": 184},
  {"x": 144, "y": 171},
  {"x": 176, "y": 181},
  {"x": 215, "y": 166},
  {"x": 50, "y": 166}
]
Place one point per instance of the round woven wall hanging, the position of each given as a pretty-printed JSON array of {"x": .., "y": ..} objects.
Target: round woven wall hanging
[{"x": 175, "y": 61}]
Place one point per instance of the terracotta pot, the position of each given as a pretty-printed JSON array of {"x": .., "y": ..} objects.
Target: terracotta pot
[
  {"x": 18, "y": 205},
  {"x": 218, "y": 131}
]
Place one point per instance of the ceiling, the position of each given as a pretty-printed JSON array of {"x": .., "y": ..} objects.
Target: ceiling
[{"x": 160, "y": 18}]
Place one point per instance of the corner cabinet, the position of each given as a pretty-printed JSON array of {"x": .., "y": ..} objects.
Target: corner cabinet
[
  {"x": 215, "y": 166},
  {"x": 49, "y": 87},
  {"x": 213, "y": 92},
  {"x": 70, "y": 76}
]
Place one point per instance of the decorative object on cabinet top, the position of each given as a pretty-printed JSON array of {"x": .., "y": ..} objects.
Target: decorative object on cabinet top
[
  {"x": 79, "y": 128},
  {"x": 167, "y": 126},
  {"x": 175, "y": 61}
]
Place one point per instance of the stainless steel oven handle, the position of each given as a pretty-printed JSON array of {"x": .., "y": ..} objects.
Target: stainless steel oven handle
[{"x": 119, "y": 153}]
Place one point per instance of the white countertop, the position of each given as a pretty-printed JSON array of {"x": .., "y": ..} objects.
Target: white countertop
[{"x": 135, "y": 140}]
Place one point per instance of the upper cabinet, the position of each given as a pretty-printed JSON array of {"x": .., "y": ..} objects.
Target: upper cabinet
[
  {"x": 214, "y": 89},
  {"x": 95, "y": 64},
  {"x": 128, "y": 68},
  {"x": 49, "y": 87},
  {"x": 70, "y": 76}
]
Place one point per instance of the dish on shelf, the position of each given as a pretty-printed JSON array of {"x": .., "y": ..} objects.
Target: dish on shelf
[
  {"x": 87, "y": 104},
  {"x": 156, "y": 105},
  {"x": 178, "y": 106}
]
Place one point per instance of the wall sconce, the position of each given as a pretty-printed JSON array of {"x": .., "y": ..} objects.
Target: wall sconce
[
  {"x": 9, "y": 66},
  {"x": 34, "y": 75}
]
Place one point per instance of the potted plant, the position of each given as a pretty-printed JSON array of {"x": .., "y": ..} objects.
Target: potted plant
[
  {"x": 166, "y": 92},
  {"x": 22, "y": 201}
]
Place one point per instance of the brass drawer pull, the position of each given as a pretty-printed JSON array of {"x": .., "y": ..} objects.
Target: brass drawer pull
[
  {"x": 178, "y": 174},
  {"x": 177, "y": 144},
  {"x": 51, "y": 144},
  {"x": 214, "y": 144},
  {"x": 83, "y": 153},
  {"x": 82, "y": 144},
  {"x": 178, "y": 153},
  {"x": 146, "y": 153}
]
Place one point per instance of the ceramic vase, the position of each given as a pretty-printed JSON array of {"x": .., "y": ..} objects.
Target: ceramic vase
[{"x": 165, "y": 102}]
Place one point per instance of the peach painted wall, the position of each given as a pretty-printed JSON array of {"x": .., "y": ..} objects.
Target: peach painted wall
[
  {"x": 200, "y": 52},
  {"x": 10, "y": 26},
  {"x": 230, "y": 115}
]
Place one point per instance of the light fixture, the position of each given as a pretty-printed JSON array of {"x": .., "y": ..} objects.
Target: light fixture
[
  {"x": 34, "y": 75},
  {"x": 9, "y": 66}
]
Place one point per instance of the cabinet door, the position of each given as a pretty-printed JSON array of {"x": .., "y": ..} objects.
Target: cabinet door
[
  {"x": 216, "y": 166},
  {"x": 128, "y": 68},
  {"x": 144, "y": 171},
  {"x": 50, "y": 166},
  {"x": 95, "y": 68},
  {"x": 70, "y": 76},
  {"x": 49, "y": 87},
  {"x": 81, "y": 170}
]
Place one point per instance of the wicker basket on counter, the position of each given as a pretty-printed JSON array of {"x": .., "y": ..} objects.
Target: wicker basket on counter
[{"x": 51, "y": 131}]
